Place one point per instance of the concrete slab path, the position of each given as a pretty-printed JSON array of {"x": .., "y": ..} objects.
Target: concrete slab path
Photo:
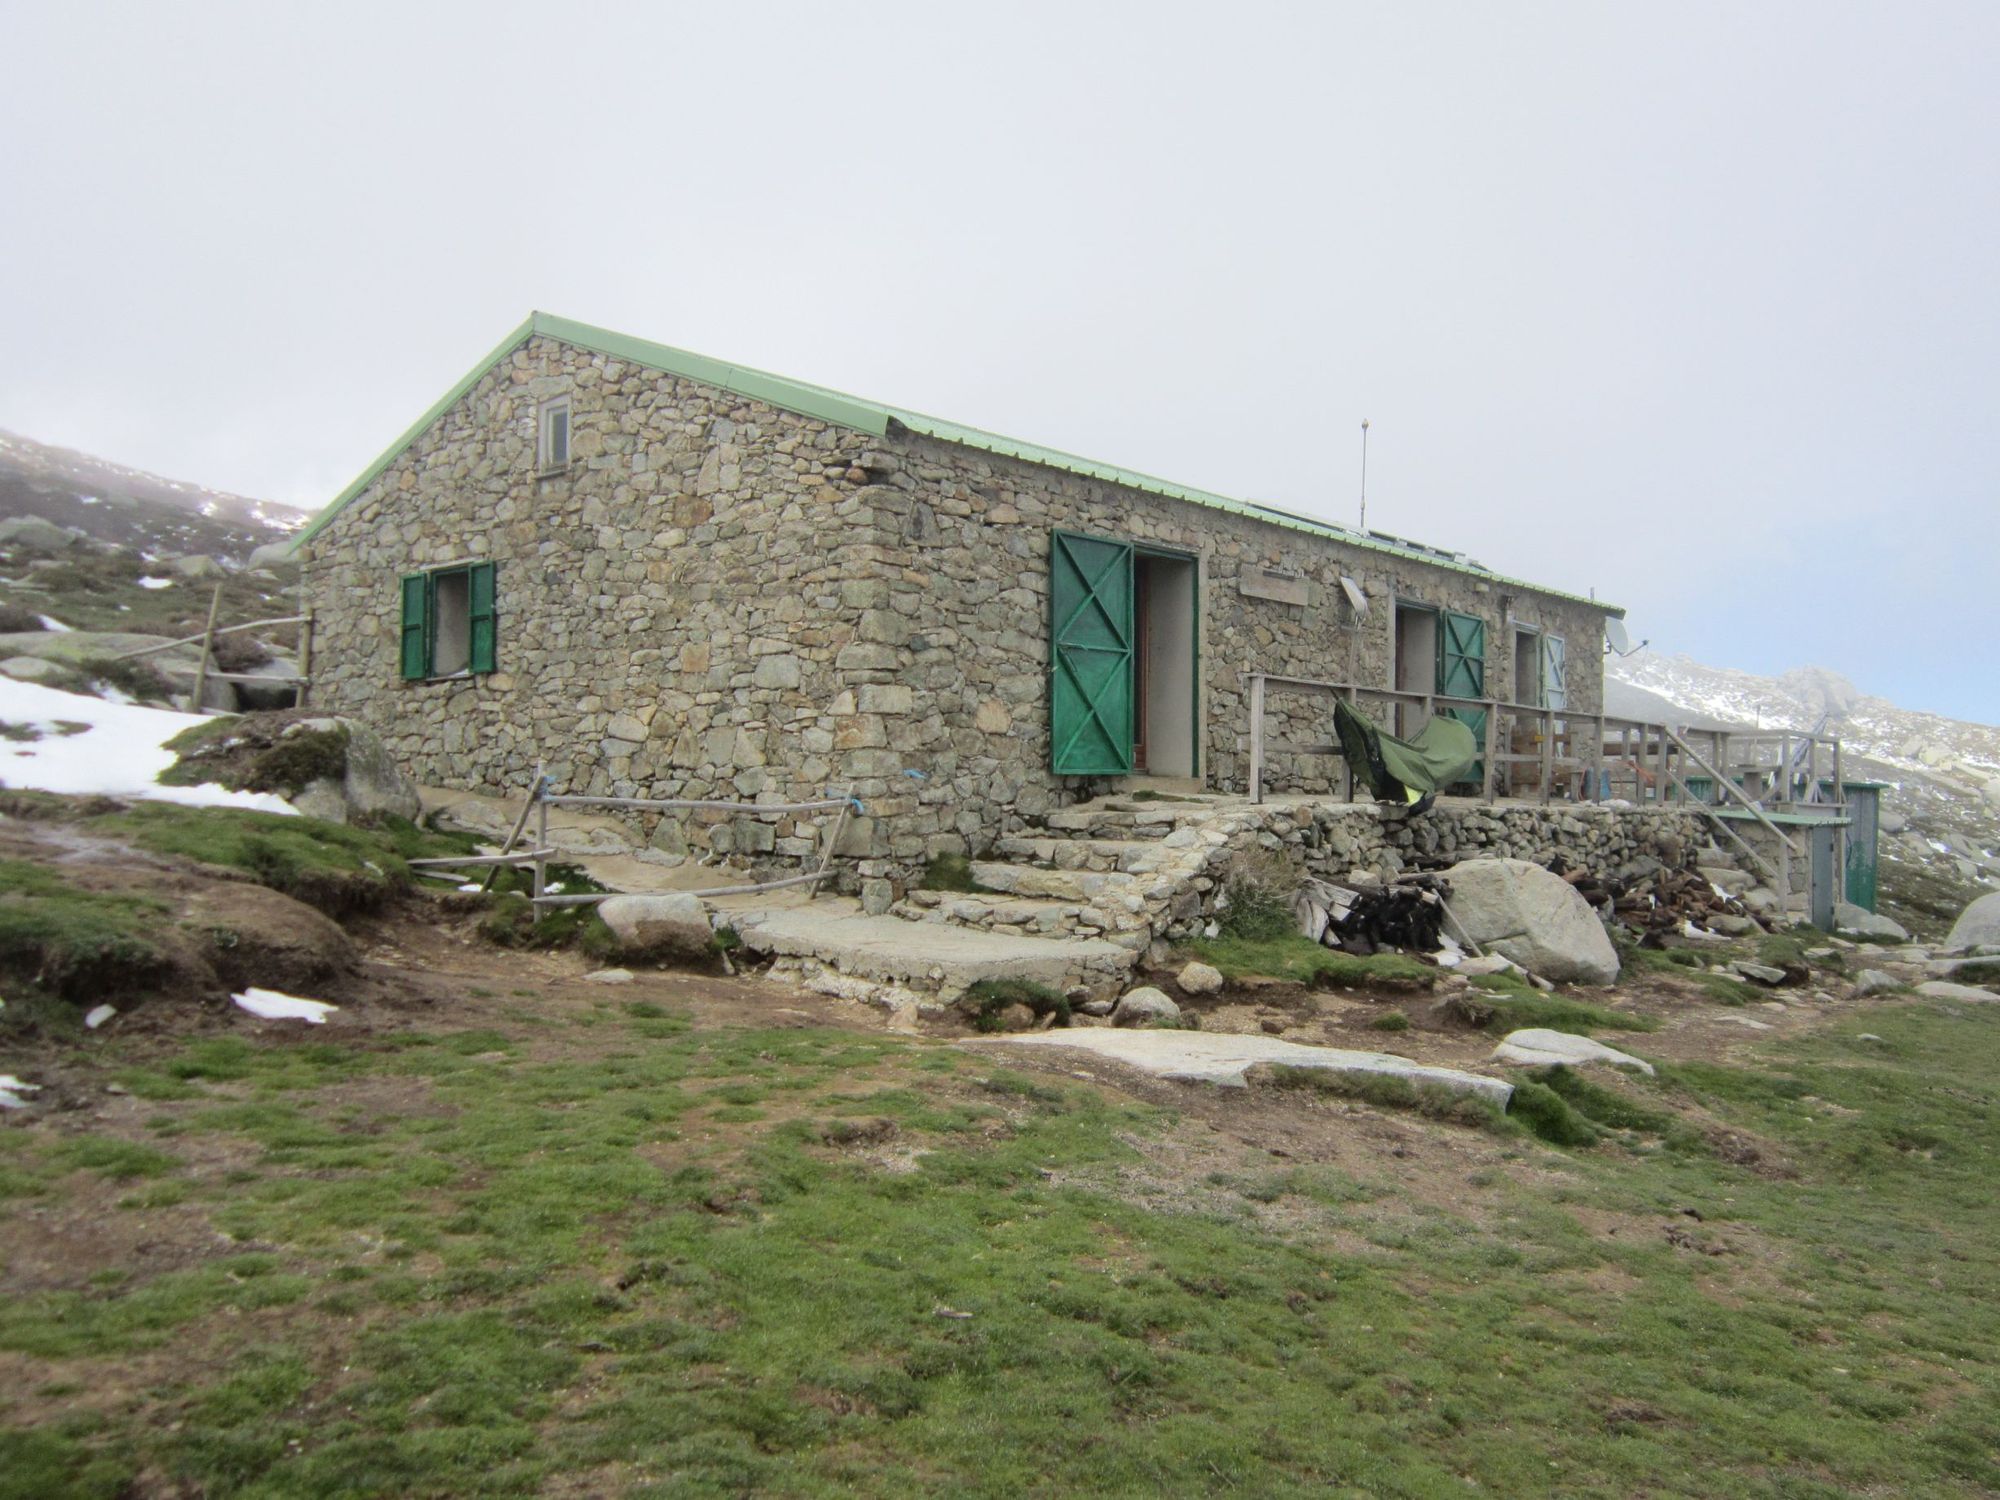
[{"x": 924, "y": 955}]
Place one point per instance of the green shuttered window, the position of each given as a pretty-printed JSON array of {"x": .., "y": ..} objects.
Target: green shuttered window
[{"x": 450, "y": 622}]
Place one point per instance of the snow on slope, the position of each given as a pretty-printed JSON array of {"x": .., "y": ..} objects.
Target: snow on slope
[
  {"x": 86, "y": 745},
  {"x": 1899, "y": 737}
]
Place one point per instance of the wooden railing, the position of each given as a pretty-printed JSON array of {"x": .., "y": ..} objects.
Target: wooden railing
[
  {"x": 1552, "y": 754},
  {"x": 541, "y": 798}
]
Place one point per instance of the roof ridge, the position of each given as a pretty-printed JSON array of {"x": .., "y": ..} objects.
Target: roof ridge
[{"x": 873, "y": 417}]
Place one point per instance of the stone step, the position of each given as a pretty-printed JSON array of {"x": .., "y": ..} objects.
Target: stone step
[
  {"x": 1087, "y": 887},
  {"x": 978, "y": 909},
  {"x": 934, "y": 957},
  {"x": 1132, "y": 856}
]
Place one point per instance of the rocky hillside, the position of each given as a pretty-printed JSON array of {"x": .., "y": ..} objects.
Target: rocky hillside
[
  {"x": 115, "y": 503},
  {"x": 98, "y": 560},
  {"x": 1941, "y": 822}
]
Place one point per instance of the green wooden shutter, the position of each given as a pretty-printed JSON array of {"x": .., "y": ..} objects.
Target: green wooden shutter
[
  {"x": 482, "y": 617},
  {"x": 1555, "y": 661},
  {"x": 1461, "y": 672},
  {"x": 1090, "y": 655},
  {"x": 416, "y": 651}
]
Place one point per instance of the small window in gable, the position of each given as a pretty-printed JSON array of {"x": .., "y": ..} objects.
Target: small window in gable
[
  {"x": 450, "y": 623},
  {"x": 552, "y": 440}
]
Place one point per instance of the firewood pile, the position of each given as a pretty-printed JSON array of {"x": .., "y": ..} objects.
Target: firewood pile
[
  {"x": 1405, "y": 913},
  {"x": 1662, "y": 905}
]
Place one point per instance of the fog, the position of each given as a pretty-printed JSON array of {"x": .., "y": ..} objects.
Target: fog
[{"x": 1692, "y": 305}]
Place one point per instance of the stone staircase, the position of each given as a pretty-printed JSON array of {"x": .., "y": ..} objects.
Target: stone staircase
[{"x": 1116, "y": 869}]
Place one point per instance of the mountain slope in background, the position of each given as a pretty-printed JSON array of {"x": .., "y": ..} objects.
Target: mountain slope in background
[
  {"x": 132, "y": 508},
  {"x": 1941, "y": 814}
]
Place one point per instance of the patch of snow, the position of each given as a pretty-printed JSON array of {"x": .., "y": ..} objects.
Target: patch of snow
[
  {"x": 86, "y": 499},
  {"x": 98, "y": 1015},
  {"x": 54, "y": 627},
  {"x": 156, "y": 583},
  {"x": 121, "y": 754},
  {"x": 471, "y": 887},
  {"x": 275, "y": 1005},
  {"x": 13, "y": 1092}
]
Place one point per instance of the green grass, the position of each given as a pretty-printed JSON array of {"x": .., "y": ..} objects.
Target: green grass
[
  {"x": 1296, "y": 958},
  {"x": 1433, "y": 1101},
  {"x": 71, "y": 941},
  {"x": 506, "y": 1267},
  {"x": 985, "y": 999},
  {"x": 1516, "y": 1004},
  {"x": 949, "y": 872}
]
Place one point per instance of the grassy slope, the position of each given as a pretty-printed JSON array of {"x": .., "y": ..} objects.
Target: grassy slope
[{"x": 635, "y": 1265}]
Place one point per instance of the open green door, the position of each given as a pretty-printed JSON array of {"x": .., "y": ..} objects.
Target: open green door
[
  {"x": 1462, "y": 672},
  {"x": 1090, "y": 655}
]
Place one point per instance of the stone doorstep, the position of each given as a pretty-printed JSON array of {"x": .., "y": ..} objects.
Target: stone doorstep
[
  {"x": 936, "y": 957},
  {"x": 1083, "y": 886},
  {"x": 1230, "y": 1060},
  {"x": 1098, "y": 855}
]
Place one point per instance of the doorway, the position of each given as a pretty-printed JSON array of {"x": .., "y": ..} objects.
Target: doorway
[
  {"x": 1164, "y": 740},
  {"x": 1416, "y": 662}
]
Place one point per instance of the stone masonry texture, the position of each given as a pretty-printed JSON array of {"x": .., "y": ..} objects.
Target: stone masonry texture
[{"x": 719, "y": 599}]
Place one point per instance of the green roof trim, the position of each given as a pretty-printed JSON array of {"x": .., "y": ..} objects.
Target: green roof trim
[{"x": 874, "y": 418}]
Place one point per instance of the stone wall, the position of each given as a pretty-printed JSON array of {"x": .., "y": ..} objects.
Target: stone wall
[
  {"x": 1353, "y": 841},
  {"x": 719, "y": 599}
]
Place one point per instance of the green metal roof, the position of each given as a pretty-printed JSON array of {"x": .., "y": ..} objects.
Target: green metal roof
[{"x": 874, "y": 418}]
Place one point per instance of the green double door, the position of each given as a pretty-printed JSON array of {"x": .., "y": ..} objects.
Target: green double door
[{"x": 1093, "y": 634}]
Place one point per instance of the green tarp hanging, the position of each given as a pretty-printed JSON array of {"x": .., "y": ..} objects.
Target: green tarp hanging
[{"x": 1442, "y": 752}]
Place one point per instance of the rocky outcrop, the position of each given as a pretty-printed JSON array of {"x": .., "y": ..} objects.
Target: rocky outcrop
[
  {"x": 1524, "y": 913},
  {"x": 1978, "y": 926}
]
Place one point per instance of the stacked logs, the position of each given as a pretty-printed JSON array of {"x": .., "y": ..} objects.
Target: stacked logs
[
  {"x": 1661, "y": 905},
  {"x": 1406, "y": 913}
]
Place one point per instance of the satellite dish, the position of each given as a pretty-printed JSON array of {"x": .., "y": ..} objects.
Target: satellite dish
[
  {"x": 1614, "y": 632},
  {"x": 1356, "y": 600}
]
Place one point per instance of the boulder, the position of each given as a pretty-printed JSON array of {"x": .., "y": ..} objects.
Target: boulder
[
  {"x": 277, "y": 556},
  {"x": 1522, "y": 912},
  {"x": 1944, "y": 989},
  {"x": 668, "y": 921},
  {"x": 1761, "y": 973},
  {"x": 32, "y": 669},
  {"x": 282, "y": 692},
  {"x": 371, "y": 785},
  {"x": 1538, "y": 1047},
  {"x": 34, "y": 534},
  {"x": 1847, "y": 917},
  {"x": 1727, "y": 879},
  {"x": 198, "y": 567},
  {"x": 1977, "y": 926},
  {"x": 1199, "y": 979},
  {"x": 1143, "y": 1007},
  {"x": 1875, "y": 982}
]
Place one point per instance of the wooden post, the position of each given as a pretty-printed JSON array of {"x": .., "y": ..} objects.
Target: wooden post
[
  {"x": 833, "y": 843},
  {"x": 541, "y": 834},
  {"x": 1490, "y": 774},
  {"x": 1548, "y": 766},
  {"x": 534, "y": 792},
  {"x": 305, "y": 659},
  {"x": 1257, "y": 737},
  {"x": 1598, "y": 789},
  {"x": 207, "y": 645}
]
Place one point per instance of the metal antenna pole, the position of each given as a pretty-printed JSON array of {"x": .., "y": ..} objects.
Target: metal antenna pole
[{"x": 1364, "y": 474}]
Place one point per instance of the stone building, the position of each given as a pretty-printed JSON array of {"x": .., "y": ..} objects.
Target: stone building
[{"x": 667, "y": 576}]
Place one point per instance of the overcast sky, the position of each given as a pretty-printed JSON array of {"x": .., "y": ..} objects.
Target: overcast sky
[{"x": 1696, "y": 306}]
